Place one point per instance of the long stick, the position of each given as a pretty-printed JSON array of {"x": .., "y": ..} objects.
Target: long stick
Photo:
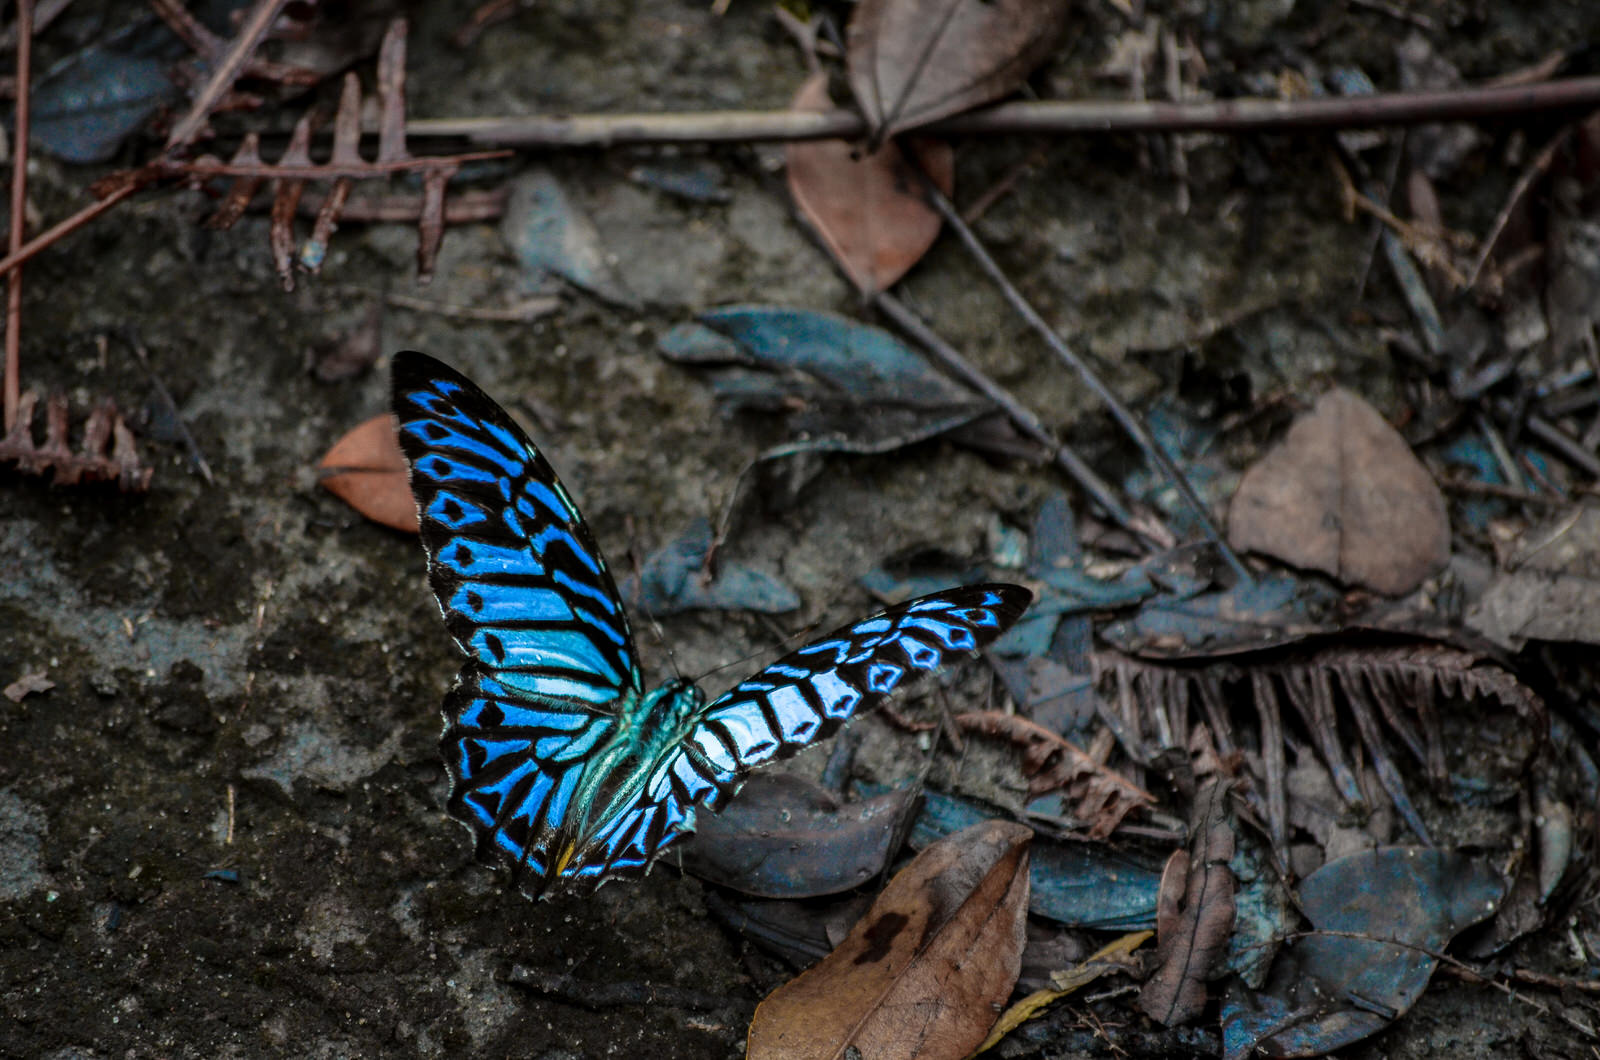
[
  {"x": 1119, "y": 412},
  {"x": 1018, "y": 413},
  {"x": 19, "y": 212},
  {"x": 1077, "y": 116}
]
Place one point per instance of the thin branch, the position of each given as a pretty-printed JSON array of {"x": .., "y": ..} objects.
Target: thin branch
[
  {"x": 1119, "y": 412},
  {"x": 19, "y": 213},
  {"x": 1055, "y": 116},
  {"x": 189, "y": 443},
  {"x": 1025, "y": 421},
  {"x": 202, "y": 169},
  {"x": 226, "y": 72},
  {"x": 69, "y": 225}
]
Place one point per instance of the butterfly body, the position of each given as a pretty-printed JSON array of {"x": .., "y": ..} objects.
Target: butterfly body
[{"x": 568, "y": 770}]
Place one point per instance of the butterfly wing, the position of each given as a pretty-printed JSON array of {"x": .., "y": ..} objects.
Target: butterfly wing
[
  {"x": 802, "y": 698},
  {"x": 526, "y": 595}
]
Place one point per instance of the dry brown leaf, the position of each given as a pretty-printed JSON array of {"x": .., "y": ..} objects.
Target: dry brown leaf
[
  {"x": 1192, "y": 932},
  {"x": 925, "y": 972},
  {"x": 913, "y": 61},
  {"x": 1101, "y": 797},
  {"x": 367, "y": 471},
  {"x": 1344, "y": 494},
  {"x": 867, "y": 208}
]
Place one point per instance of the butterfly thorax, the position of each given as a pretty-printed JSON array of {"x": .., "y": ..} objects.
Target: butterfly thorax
[{"x": 648, "y": 730}]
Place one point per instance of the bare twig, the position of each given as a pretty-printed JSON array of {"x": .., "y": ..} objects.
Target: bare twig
[
  {"x": 19, "y": 205},
  {"x": 67, "y": 226},
  {"x": 1072, "y": 116},
  {"x": 1119, "y": 412},
  {"x": 1532, "y": 172},
  {"x": 1025, "y": 420},
  {"x": 531, "y": 308},
  {"x": 189, "y": 443},
  {"x": 226, "y": 71}
]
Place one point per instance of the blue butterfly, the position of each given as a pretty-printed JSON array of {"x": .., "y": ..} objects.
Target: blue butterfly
[{"x": 565, "y": 767}]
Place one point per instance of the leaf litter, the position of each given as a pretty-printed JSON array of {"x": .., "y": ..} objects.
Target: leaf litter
[
  {"x": 926, "y": 970},
  {"x": 787, "y": 837}
]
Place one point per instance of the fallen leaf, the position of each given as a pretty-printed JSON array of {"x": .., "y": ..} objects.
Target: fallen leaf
[
  {"x": 367, "y": 471},
  {"x": 925, "y": 971},
  {"x": 551, "y": 234},
  {"x": 1091, "y": 885},
  {"x": 28, "y": 684},
  {"x": 673, "y": 579},
  {"x": 914, "y": 61},
  {"x": 1548, "y": 587},
  {"x": 798, "y": 932},
  {"x": 867, "y": 207},
  {"x": 788, "y": 837},
  {"x": 858, "y": 361},
  {"x": 1194, "y": 915},
  {"x": 1380, "y": 916},
  {"x": 1344, "y": 494}
]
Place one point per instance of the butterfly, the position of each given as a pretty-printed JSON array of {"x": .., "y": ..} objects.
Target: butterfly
[{"x": 567, "y": 769}]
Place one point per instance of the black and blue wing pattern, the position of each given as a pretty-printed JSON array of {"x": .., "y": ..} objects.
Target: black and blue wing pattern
[
  {"x": 809, "y": 693},
  {"x": 567, "y": 770},
  {"x": 526, "y": 595}
]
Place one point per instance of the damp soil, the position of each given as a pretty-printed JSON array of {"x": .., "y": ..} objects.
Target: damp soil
[{"x": 221, "y": 831}]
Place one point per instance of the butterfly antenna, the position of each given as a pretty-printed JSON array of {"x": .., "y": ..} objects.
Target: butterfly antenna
[
  {"x": 784, "y": 642},
  {"x": 638, "y": 599}
]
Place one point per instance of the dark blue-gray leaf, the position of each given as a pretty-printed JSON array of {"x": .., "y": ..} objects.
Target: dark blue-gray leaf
[
  {"x": 85, "y": 107},
  {"x": 865, "y": 362},
  {"x": 1392, "y": 908},
  {"x": 1247, "y": 617},
  {"x": 551, "y": 234},
  {"x": 787, "y": 837},
  {"x": 799, "y": 932},
  {"x": 673, "y": 580},
  {"x": 1090, "y": 885}
]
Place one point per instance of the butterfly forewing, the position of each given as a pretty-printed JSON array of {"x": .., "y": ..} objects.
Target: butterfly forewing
[
  {"x": 523, "y": 587},
  {"x": 526, "y": 594}
]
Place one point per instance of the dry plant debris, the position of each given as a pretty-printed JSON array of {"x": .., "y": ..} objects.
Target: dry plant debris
[
  {"x": 1194, "y": 914},
  {"x": 925, "y": 971},
  {"x": 914, "y": 61},
  {"x": 1101, "y": 797},
  {"x": 367, "y": 470},
  {"x": 106, "y": 453}
]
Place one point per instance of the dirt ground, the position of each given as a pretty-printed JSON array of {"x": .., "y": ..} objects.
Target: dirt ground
[{"x": 221, "y": 833}]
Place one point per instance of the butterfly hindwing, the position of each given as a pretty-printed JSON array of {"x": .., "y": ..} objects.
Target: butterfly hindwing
[{"x": 807, "y": 694}]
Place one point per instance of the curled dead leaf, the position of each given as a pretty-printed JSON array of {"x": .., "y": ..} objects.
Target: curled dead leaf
[
  {"x": 1101, "y": 797},
  {"x": 1344, "y": 494},
  {"x": 867, "y": 207},
  {"x": 367, "y": 470},
  {"x": 924, "y": 973},
  {"x": 1194, "y": 913}
]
